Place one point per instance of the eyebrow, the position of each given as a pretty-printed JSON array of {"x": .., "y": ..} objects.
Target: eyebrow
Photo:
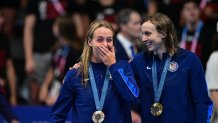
[{"x": 105, "y": 37}]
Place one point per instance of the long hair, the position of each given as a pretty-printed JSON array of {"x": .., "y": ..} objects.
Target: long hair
[
  {"x": 165, "y": 26},
  {"x": 87, "y": 50}
]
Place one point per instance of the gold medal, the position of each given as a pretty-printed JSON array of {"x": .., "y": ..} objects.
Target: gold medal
[
  {"x": 98, "y": 117},
  {"x": 156, "y": 109}
]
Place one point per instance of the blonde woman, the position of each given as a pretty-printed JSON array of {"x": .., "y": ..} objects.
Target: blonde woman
[{"x": 102, "y": 89}]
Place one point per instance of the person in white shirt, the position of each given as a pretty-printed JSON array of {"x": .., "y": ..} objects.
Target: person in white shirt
[
  {"x": 212, "y": 77},
  {"x": 129, "y": 23}
]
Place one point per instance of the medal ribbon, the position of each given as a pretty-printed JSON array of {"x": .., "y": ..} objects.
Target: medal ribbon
[
  {"x": 158, "y": 89},
  {"x": 195, "y": 39},
  {"x": 98, "y": 103}
]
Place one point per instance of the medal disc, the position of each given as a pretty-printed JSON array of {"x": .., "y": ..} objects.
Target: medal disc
[
  {"x": 98, "y": 117},
  {"x": 156, "y": 109}
]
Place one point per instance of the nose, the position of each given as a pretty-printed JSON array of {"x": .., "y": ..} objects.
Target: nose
[
  {"x": 144, "y": 38},
  {"x": 104, "y": 43}
]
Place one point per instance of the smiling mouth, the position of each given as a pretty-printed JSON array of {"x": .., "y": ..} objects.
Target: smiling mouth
[{"x": 148, "y": 43}]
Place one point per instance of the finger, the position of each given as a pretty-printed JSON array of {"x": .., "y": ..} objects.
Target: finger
[
  {"x": 112, "y": 49},
  {"x": 101, "y": 54},
  {"x": 105, "y": 49},
  {"x": 76, "y": 66},
  {"x": 101, "y": 50}
]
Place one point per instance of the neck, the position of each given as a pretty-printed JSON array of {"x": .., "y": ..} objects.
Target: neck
[
  {"x": 127, "y": 36},
  {"x": 192, "y": 25},
  {"x": 160, "y": 52},
  {"x": 95, "y": 59},
  {"x": 63, "y": 41}
]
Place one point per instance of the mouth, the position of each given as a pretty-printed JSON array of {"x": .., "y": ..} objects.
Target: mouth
[{"x": 148, "y": 44}]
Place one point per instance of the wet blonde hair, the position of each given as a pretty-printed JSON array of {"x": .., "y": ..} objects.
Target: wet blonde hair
[
  {"x": 87, "y": 50},
  {"x": 165, "y": 26}
]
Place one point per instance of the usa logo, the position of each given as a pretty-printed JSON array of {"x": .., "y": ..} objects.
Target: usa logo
[{"x": 173, "y": 66}]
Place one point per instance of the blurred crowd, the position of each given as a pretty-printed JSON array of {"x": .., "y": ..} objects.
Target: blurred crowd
[{"x": 41, "y": 39}]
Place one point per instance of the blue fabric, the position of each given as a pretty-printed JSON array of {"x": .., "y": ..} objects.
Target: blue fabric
[
  {"x": 120, "y": 51},
  {"x": 6, "y": 110},
  {"x": 128, "y": 81},
  {"x": 184, "y": 97},
  {"x": 80, "y": 98},
  {"x": 210, "y": 109},
  {"x": 132, "y": 51}
]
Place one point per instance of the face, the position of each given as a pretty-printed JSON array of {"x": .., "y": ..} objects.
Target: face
[
  {"x": 102, "y": 36},
  {"x": 152, "y": 38},
  {"x": 133, "y": 27},
  {"x": 191, "y": 12},
  {"x": 106, "y": 2}
]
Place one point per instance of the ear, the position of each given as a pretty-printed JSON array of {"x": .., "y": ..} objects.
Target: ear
[
  {"x": 163, "y": 36},
  {"x": 89, "y": 41}
]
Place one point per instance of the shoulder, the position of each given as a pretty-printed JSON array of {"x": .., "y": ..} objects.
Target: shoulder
[
  {"x": 183, "y": 53},
  {"x": 71, "y": 75},
  {"x": 214, "y": 55},
  {"x": 139, "y": 57},
  {"x": 187, "y": 57}
]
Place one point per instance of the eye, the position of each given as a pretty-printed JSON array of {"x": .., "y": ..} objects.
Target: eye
[
  {"x": 109, "y": 40},
  {"x": 146, "y": 33},
  {"x": 99, "y": 39}
]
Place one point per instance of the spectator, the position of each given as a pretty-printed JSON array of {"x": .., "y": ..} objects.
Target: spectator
[
  {"x": 66, "y": 54},
  {"x": 195, "y": 35},
  {"x": 211, "y": 77},
  {"x": 129, "y": 24},
  {"x": 38, "y": 40},
  {"x": 7, "y": 76}
]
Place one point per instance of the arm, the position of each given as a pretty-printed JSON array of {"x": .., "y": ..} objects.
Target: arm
[
  {"x": 121, "y": 73},
  {"x": 124, "y": 80},
  {"x": 214, "y": 98},
  {"x": 30, "y": 21},
  {"x": 45, "y": 85},
  {"x": 198, "y": 89},
  {"x": 212, "y": 72},
  {"x": 65, "y": 99},
  {"x": 12, "y": 81},
  {"x": 212, "y": 78}
]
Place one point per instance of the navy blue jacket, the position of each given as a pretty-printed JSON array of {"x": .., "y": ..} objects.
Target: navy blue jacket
[
  {"x": 122, "y": 91},
  {"x": 184, "y": 96},
  {"x": 120, "y": 51}
]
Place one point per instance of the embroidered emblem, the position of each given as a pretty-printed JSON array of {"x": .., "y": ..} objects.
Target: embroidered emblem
[
  {"x": 173, "y": 66},
  {"x": 148, "y": 68}
]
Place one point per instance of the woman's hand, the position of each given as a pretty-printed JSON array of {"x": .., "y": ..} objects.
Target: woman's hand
[
  {"x": 107, "y": 55},
  {"x": 76, "y": 66}
]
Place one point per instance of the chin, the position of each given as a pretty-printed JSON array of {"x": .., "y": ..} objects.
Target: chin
[{"x": 150, "y": 49}]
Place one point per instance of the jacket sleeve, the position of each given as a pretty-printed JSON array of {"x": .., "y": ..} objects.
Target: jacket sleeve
[
  {"x": 124, "y": 80},
  {"x": 65, "y": 99},
  {"x": 198, "y": 87}
]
